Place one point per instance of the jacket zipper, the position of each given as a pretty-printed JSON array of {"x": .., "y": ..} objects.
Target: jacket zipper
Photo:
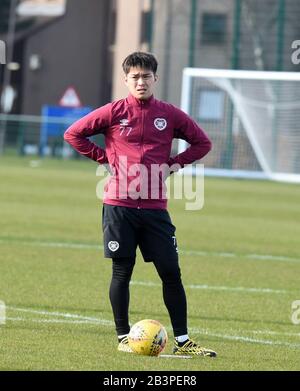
[{"x": 142, "y": 145}]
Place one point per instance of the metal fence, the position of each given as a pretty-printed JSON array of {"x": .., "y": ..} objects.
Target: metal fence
[{"x": 35, "y": 135}]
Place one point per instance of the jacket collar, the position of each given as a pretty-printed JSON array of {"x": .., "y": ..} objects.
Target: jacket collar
[{"x": 139, "y": 102}]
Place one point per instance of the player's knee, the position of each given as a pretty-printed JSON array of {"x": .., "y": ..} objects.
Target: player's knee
[
  {"x": 169, "y": 272},
  {"x": 122, "y": 269}
]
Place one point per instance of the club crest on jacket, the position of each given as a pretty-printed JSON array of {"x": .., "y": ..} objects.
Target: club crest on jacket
[{"x": 160, "y": 123}]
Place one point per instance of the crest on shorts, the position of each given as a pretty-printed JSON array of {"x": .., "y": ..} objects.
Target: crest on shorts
[
  {"x": 113, "y": 245},
  {"x": 160, "y": 123}
]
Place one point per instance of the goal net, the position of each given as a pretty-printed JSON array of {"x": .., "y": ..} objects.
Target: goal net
[{"x": 252, "y": 118}]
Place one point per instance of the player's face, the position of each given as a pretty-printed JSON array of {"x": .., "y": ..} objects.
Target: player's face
[{"x": 140, "y": 82}]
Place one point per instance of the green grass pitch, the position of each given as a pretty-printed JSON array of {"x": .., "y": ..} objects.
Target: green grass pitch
[{"x": 240, "y": 262}]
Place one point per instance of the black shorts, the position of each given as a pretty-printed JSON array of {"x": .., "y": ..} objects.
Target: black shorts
[{"x": 126, "y": 228}]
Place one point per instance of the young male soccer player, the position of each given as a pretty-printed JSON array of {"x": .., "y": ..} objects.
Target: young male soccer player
[{"x": 138, "y": 134}]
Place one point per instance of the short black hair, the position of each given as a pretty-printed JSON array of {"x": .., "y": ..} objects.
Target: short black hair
[{"x": 140, "y": 59}]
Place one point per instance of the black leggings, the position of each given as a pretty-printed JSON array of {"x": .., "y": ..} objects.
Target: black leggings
[{"x": 173, "y": 293}]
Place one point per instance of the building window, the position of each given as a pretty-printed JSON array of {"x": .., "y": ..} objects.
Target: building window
[
  {"x": 213, "y": 28},
  {"x": 211, "y": 105},
  {"x": 146, "y": 27}
]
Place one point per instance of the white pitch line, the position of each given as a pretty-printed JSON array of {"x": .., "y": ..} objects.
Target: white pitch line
[
  {"x": 106, "y": 322},
  {"x": 237, "y": 289},
  {"x": 173, "y": 356},
  {"x": 256, "y": 257},
  {"x": 246, "y": 339},
  {"x": 62, "y": 314},
  {"x": 263, "y": 332},
  {"x": 86, "y": 246},
  {"x": 193, "y": 286},
  {"x": 217, "y": 288},
  {"x": 80, "y": 246},
  {"x": 72, "y": 318},
  {"x": 270, "y": 332},
  {"x": 55, "y": 321}
]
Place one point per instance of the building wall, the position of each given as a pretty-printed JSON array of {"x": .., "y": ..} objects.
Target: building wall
[
  {"x": 128, "y": 39},
  {"x": 128, "y": 30},
  {"x": 172, "y": 42},
  {"x": 170, "y": 45},
  {"x": 77, "y": 49},
  {"x": 74, "y": 52},
  {"x": 175, "y": 42},
  {"x": 218, "y": 54}
]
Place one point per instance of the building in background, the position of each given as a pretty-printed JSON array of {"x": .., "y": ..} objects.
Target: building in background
[
  {"x": 224, "y": 34},
  {"x": 83, "y": 43},
  {"x": 57, "y": 51}
]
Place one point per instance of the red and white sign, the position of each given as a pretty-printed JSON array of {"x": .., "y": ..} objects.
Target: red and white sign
[{"x": 70, "y": 98}]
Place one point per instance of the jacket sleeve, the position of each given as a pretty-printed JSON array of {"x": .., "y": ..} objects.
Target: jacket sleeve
[
  {"x": 77, "y": 135},
  {"x": 187, "y": 129}
]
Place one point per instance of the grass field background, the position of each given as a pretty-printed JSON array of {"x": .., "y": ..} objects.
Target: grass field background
[{"x": 240, "y": 261}]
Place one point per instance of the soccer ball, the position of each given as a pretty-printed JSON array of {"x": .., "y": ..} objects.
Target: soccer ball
[{"x": 147, "y": 337}]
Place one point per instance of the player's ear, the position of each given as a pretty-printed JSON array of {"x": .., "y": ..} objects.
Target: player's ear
[{"x": 155, "y": 77}]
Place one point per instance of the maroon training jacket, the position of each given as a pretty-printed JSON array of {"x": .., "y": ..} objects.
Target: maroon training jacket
[{"x": 138, "y": 133}]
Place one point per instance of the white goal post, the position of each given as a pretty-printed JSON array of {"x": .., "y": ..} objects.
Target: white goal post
[{"x": 252, "y": 118}]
